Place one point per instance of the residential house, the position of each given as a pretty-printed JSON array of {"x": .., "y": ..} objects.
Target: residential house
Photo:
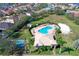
[
  {"x": 1, "y": 14},
  {"x": 64, "y": 6},
  {"x": 8, "y": 11},
  {"x": 73, "y": 12},
  {"x": 6, "y": 24},
  {"x": 49, "y": 6}
]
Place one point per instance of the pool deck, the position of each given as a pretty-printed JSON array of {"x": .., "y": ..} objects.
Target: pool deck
[{"x": 44, "y": 40}]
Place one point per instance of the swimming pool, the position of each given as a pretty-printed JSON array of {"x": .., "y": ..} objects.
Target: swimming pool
[{"x": 45, "y": 29}]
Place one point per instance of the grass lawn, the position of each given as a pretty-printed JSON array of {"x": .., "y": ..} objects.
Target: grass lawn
[{"x": 54, "y": 19}]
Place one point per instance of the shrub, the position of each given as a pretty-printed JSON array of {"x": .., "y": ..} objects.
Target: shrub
[
  {"x": 70, "y": 16},
  {"x": 76, "y": 44},
  {"x": 77, "y": 20}
]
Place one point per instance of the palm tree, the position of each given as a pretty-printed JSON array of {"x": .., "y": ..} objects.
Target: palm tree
[
  {"x": 54, "y": 50},
  {"x": 59, "y": 39},
  {"x": 56, "y": 37},
  {"x": 60, "y": 42}
]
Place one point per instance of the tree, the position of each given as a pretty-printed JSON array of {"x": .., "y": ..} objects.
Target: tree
[
  {"x": 76, "y": 44},
  {"x": 17, "y": 26},
  {"x": 41, "y": 6},
  {"x": 51, "y": 11},
  {"x": 68, "y": 49},
  {"x": 60, "y": 42},
  {"x": 59, "y": 11},
  {"x": 57, "y": 36},
  {"x": 35, "y": 15},
  {"x": 76, "y": 20},
  {"x": 16, "y": 35},
  {"x": 21, "y": 23},
  {"x": 70, "y": 16},
  {"x": 54, "y": 50},
  {"x": 20, "y": 11}
]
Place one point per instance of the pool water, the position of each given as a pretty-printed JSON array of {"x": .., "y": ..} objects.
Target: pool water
[
  {"x": 20, "y": 43},
  {"x": 45, "y": 29}
]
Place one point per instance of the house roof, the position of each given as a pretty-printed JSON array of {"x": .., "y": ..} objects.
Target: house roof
[
  {"x": 8, "y": 21},
  {"x": 75, "y": 13},
  {"x": 4, "y": 25},
  {"x": 8, "y": 11}
]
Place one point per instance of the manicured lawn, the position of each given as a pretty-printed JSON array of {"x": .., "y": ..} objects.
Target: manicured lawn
[{"x": 54, "y": 19}]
